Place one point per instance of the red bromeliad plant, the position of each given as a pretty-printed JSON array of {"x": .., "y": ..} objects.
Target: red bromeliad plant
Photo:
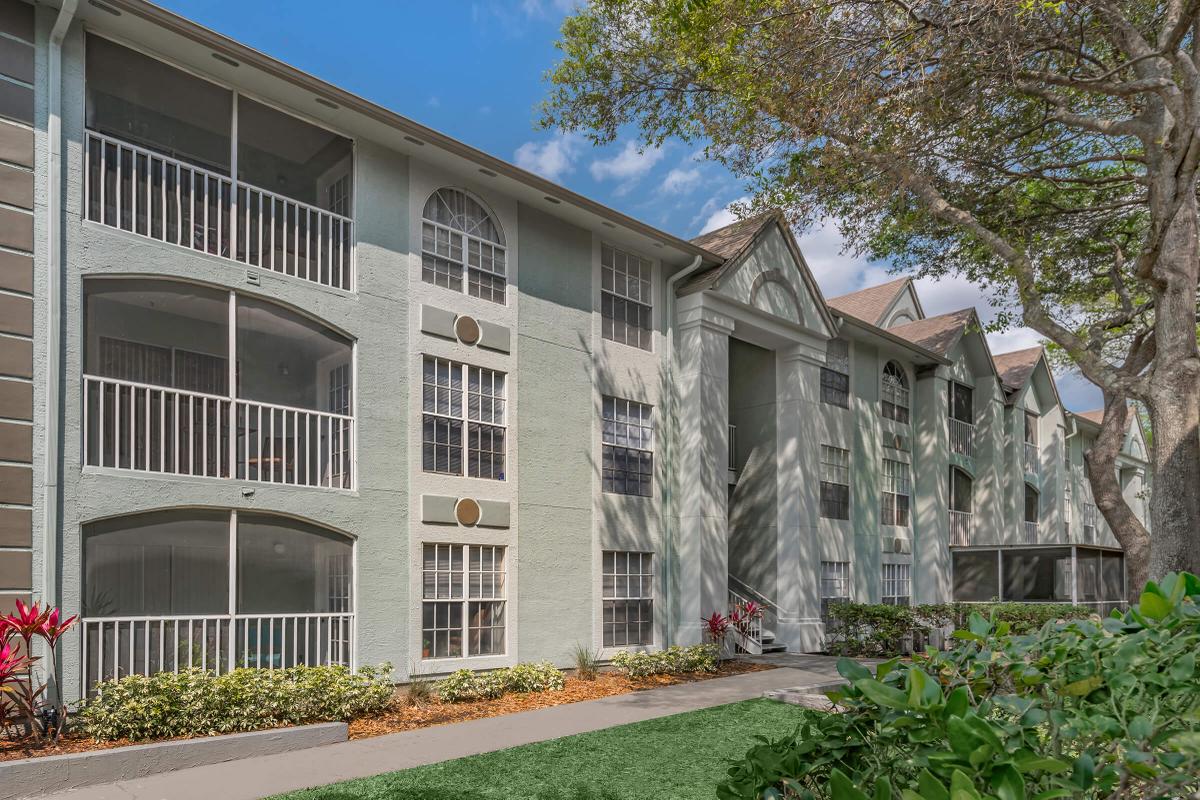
[
  {"x": 18, "y": 678},
  {"x": 717, "y": 628}
]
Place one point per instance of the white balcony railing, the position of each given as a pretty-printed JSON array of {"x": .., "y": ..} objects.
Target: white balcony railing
[
  {"x": 115, "y": 647},
  {"x": 1031, "y": 532},
  {"x": 960, "y": 528},
  {"x": 1033, "y": 462},
  {"x": 750, "y": 638},
  {"x": 145, "y": 428},
  {"x": 962, "y": 437},
  {"x": 153, "y": 195},
  {"x": 732, "y": 447}
]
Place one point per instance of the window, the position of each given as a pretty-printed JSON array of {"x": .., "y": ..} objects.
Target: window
[
  {"x": 451, "y": 616},
  {"x": 628, "y": 592},
  {"x": 960, "y": 491},
  {"x": 1031, "y": 428},
  {"x": 962, "y": 403},
  {"x": 897, "y": 585},
  {"x": 447, "y": 407},
  {"x": 895, "y": 392},
  {"x": 835, "y": 482},
  {"x": 628, "y": 439},
  {"x": 896, "y": 490},
  {"x": 625, "y": 298},
  {"x": 459, "y": 236},
  {"x": 1090, "y": 515},
  {"x": 1032, "y": 501},
  {"x": 835, "y": 585},
  {"x": 835, "y": 375}
]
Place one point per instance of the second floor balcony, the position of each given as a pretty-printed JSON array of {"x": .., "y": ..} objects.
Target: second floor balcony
[
  {"x": 960, "y": 528},
  {"x": 1032, "y": 459},
  {"x": 162, "y": 394},
  {"x": 184, "y": 161},
  {"x": 962, "y": 437}
]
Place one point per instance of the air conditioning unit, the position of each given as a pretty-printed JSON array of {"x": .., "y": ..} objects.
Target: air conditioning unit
[{"x": 901, "y": 545}]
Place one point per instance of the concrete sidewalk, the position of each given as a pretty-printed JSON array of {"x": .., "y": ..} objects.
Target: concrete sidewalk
[{"x": 260, "y": 777}]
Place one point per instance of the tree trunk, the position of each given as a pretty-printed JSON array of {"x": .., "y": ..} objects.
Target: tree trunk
[
  {"x": 1106, "y": 491},
  {"x": 1175, "y": 402}
]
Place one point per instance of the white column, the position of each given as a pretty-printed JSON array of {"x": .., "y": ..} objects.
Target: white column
[
  {"x": 798, "y": 548},
  {"x": 702, "y": 416}
]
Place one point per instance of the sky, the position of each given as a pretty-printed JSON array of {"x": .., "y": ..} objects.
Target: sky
[{"x": 475, "y": 71}]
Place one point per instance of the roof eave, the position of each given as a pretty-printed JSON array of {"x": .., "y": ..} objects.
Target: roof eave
[{"x": 884, "y": 334}]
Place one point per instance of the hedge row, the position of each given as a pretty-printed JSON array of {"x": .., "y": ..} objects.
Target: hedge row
[{"x": 860, "y": 629}]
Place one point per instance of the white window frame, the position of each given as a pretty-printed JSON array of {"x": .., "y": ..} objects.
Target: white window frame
[
  {"x": 612, "y": 598},
  {"x": 835, "y": 584},
  {"x": 469, "y": 402},
  {"x": 895, "y": 391},
  {"x": 460, "y": 248},
  {"x": 836, "y": 364},
  {"x": 896, "y": 585},
  {"x": 490, "y": 587},
  {"x": 896, "y": 480},
  {"x": 618, "y": 436},
  {"x": 643, "y": 299},
  {"x": 835, "y": 470}
]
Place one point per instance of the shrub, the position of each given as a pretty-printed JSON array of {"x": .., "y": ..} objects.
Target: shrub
[
  {"x": 672, "y": 661},
  {"x": 860, "y": 629},
  {"x": 587, "y": 662},
  {"x": 464, "y": 685},
  {"x": 1083, "y": 708},
  {"x": 420, "y": 689},
  {"x": 196, "y": 702}
]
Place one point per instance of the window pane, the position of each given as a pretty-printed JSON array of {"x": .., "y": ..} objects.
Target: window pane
[
  {"x": 144, "y": 101},
  {"x": 284, "y": 358},
  {"x": 976, "y": 575},
  {"x": 293, "y": 158},
  {"x": 163, "y": 563},
  {"x": 286, "y": 566}
]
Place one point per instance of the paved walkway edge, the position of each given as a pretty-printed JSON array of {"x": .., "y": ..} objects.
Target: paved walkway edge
[{"x": 252, "y": 778}]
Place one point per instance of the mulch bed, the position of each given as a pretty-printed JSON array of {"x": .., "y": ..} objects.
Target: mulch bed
[{"x": 405, "y": 716}]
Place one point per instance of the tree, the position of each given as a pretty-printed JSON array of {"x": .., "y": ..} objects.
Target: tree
[{"x": 1047, "y": 151}]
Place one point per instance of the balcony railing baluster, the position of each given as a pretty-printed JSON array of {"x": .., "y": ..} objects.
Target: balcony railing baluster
[{"x": 214, "y": 214}]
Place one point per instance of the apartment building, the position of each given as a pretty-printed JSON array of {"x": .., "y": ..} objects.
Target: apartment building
[{"x": 288, "y": 378}]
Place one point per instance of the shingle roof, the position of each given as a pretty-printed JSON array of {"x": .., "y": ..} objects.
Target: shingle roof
[
  {"x": 871, "y": 303},
  {"x": 1016, "y": 367},
  {"x": 937, "y": 334},
  {"x": 1096, "y": 416},
  {"x": 728, "y": 243}
]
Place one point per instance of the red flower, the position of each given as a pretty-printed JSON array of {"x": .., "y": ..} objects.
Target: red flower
[
  {"x": 26, "y": 623},
  {"x": 12, "y": 664},
  {"x": 52, "y": 630}
]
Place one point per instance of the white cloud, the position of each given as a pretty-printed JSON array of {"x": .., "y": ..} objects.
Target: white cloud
[
  {"x": 433, "y": 102},
  {"x": 721, "y": 217},
  {"x": 551, "y": 159},
  {"x": 630, "y": 164},
  {"x": 542, "y": 8},
  {"x": 680, "y": 180}
]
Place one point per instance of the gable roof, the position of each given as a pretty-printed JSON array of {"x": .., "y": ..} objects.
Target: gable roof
[
  {"x": 871, "y": 303},
  {"x": 1096, "y": 417},
  {"x": 735, "y": 241},
  {"x": 937, "y": 334},
  {"x": 1016, "y": 367}
]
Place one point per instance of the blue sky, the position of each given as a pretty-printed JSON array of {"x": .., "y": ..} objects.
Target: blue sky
[{"x": 474, "y": 70}]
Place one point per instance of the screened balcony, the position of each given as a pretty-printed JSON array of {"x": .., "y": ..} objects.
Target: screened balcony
[
  {"x": 961, "y": 421},
  {"x": 178, "y": 159},
  {"x": 163, "y": 395},
  {"x": 157, "y": 594},
  {"x": 961, "y": 504}
]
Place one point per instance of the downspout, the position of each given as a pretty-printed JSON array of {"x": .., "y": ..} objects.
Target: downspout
[
  {"x": 54, "y": 354},
  {"x": 669, "y": 426}
]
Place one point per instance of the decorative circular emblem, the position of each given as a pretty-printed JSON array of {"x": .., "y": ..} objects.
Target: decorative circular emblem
[
  {"x": 467, "y": 330},
  {"x": 466, "y": 511}
]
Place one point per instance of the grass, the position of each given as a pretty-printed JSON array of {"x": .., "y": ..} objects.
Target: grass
[{"x": 671, "y": 758}]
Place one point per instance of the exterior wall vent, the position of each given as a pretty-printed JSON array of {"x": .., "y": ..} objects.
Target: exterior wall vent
[
  {"x": 466, "y": 329},
  {"x": 901, "y": 545}
]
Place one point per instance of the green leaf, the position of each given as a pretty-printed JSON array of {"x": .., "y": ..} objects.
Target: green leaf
[
  {"x": 1007, "y": 783},
  {"x": 931, "y": 788},
  {"x": 883, "y": 789},
  {"x": 1083, "y": 687},
  {"x": 840, "y": 787},
  {"x": 1034, "y": 763},
  {"x": 851, "y": 670},
  {"x": 1184, "y": 667},
  {"x": 1084, "y": 774},
  {"x": 881, "y": 694},
  {"x": 961, "y": 787},
  {"x": 1153, "y": 604},
  {"x": 957, "y": 702}
]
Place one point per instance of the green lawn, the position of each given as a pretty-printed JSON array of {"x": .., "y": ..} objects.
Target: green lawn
[{"x": 682, "y": 756}]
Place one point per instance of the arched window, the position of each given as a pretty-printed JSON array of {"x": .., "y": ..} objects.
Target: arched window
[
  {"x": 902, "y": 318},
  {"x": 895, "y": 392},
  {"x": 961, "y": 490},
  {"x": 457, "y": 235}
]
